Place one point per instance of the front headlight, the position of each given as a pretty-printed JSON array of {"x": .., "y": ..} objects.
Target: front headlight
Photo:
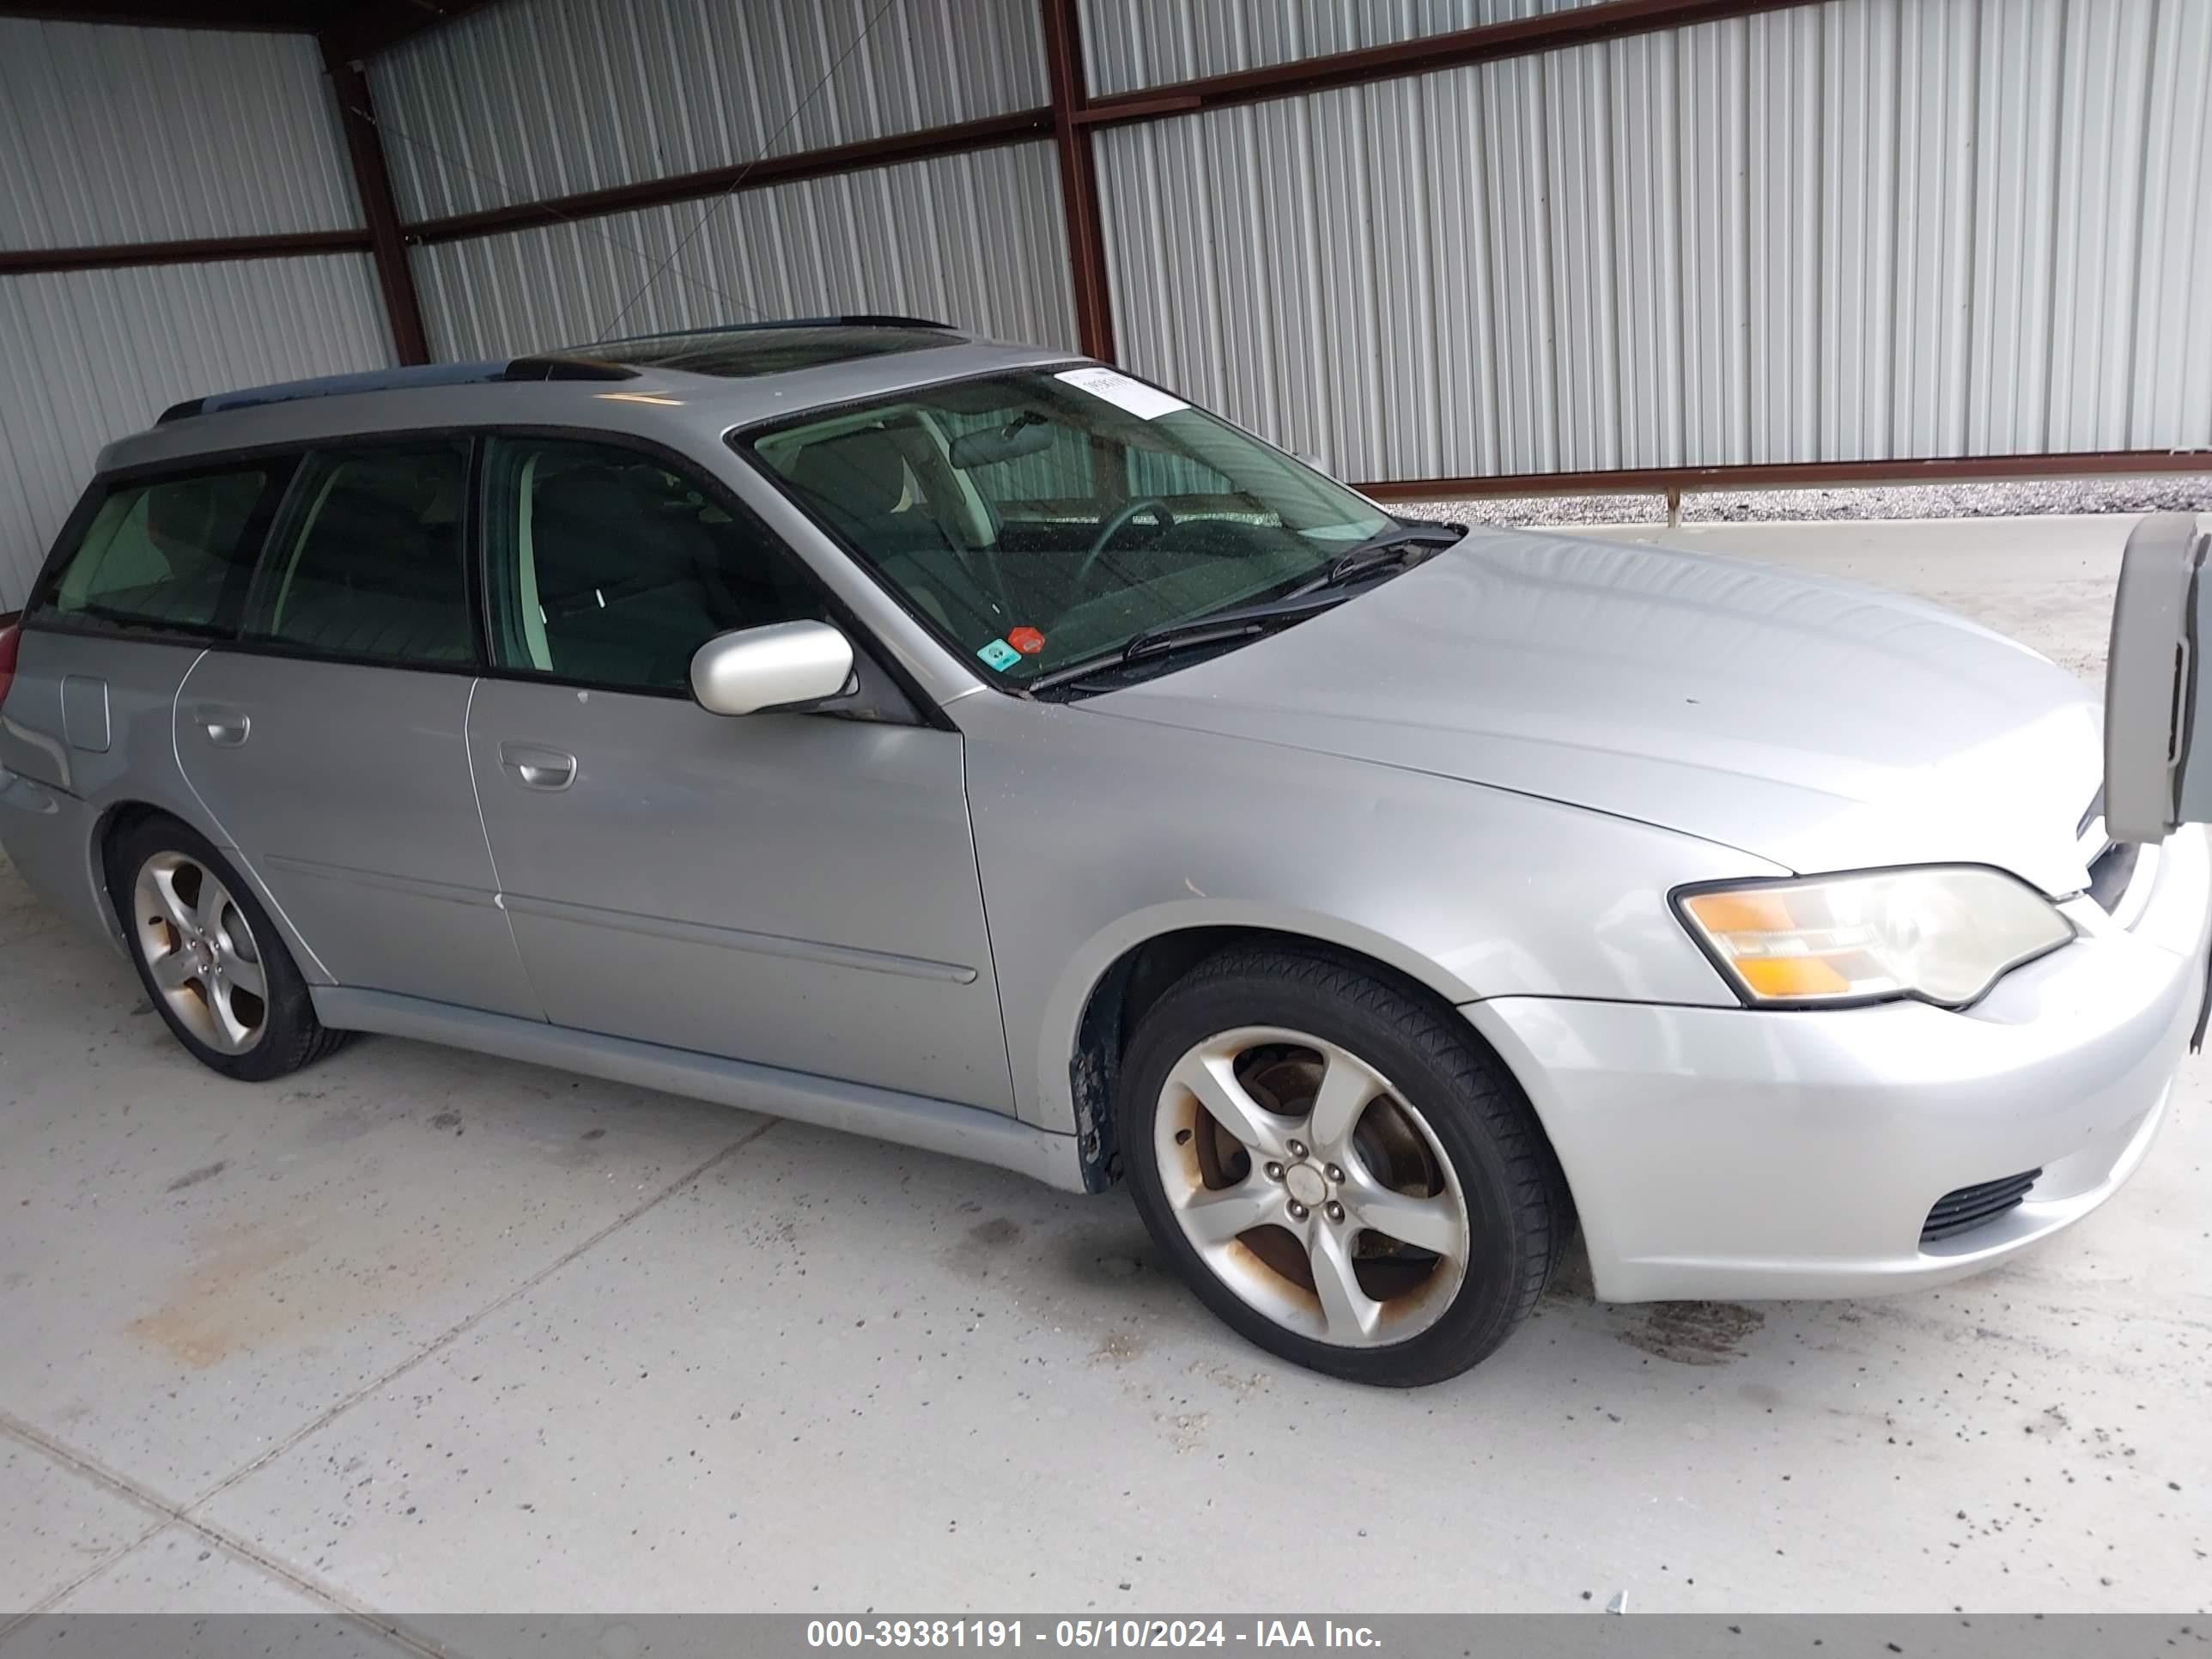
[{"x": 1945, "y": 933}]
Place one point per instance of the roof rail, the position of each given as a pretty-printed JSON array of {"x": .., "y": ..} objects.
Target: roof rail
[
  {"x": 541, "y": 367},
  {"x": 574, "y": 363}
]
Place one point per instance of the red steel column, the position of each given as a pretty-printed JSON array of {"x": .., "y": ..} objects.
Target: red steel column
[
  {"x": 374, "y": 182},
  {"x": 1078, "y": 179}
]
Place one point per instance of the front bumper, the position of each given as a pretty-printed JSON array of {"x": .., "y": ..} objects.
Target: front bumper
[{"x": 1734, "y": 1152}]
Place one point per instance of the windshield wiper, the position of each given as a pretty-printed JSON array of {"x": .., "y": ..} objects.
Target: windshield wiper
[
  {"x": 1394, "y": 548},
  {"x": 1239, "y": 622}
]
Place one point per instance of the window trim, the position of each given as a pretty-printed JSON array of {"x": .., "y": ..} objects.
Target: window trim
[
  {"x": 101, "y": 489},
  {"x": 926, "y": 709},
  {"x": 287, "y": 511},
  {"x": 839, "y": 613},
  {"x": 742, "y": 440},
  {"x": 472, "y": 580},
  {"x": 681, "y": 465},
  {"x": 744, "y": 443}
]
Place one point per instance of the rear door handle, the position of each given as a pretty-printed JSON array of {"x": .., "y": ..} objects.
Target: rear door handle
[
  {"x": 538, "y": 767},
  {"x": 226, "y": 728}
]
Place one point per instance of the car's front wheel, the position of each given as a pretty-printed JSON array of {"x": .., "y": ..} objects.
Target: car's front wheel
[
  {"x": 1341, "y": 1172},
  {"x": 209, "y": 956}
]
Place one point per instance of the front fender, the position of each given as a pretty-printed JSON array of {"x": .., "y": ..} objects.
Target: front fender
[
  {"x": 1095, "y": 833},
  {"x": 1059, "y": 1029}
]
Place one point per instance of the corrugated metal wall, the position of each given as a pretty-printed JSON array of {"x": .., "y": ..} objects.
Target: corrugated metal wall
[
  {"x": 1872, "y": 228},
  {"x": 541, "y": 97},
  {"x": 1130, "y": 44},
  {"x": 87, "y": 356},
  {"x": 113, "y": 135},
  {"x": 537, "y": 98},
  {"x": 1865, "y": 229},
  {"x": 975, "y": 239}
]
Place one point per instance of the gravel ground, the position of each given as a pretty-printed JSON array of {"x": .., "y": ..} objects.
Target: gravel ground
[{"x": 2180, "y": 492}]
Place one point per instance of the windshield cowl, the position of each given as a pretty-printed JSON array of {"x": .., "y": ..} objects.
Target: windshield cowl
[
  {"x": 1389, "y": 554},
  {"x": 1239, "y": 625}
]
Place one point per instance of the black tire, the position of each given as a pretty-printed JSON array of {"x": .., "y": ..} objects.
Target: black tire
[
  {"x": 1518, "y": 1214},
  {"x": 291, "y": 1034}
]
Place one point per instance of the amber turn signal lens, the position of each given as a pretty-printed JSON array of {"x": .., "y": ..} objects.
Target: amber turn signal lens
[
  {"x": 1945, "y": 933},
  {"x": 1780, "y": 977}
]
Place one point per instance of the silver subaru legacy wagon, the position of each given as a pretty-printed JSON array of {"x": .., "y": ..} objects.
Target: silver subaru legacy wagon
[{"x": 982, "y": 748}]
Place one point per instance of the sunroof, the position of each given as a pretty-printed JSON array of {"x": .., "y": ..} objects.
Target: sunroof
[{"x": 743, "y": 352}]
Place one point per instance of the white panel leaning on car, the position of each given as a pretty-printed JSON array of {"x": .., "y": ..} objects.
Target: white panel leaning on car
[{"x": 2158, "y": 700}]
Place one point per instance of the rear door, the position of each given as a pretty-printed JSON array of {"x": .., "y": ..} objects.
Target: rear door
[
  {"x": 329, "y": 740},
  {"x": 799, "y": 890},
  {"x": 155, "y": 567},
  {"x": 152, "y": 568}
]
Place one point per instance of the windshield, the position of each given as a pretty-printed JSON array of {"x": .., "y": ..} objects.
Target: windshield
[{"x": 1047, "y": 517}]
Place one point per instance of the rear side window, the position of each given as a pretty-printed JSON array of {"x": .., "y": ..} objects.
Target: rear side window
[
  {"x": 172, "y": 554},
  {"x": 367, "y": 563}
]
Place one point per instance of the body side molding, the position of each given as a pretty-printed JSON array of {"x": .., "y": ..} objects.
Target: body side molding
[{"x": 935, "y": 1126}]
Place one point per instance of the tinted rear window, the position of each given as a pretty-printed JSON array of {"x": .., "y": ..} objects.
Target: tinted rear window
[
  {"x": 369, "y": 563},
  {"x": 172, "y": 554}
]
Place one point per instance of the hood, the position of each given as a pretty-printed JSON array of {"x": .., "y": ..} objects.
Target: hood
[{"x": 1818, "y": 724}]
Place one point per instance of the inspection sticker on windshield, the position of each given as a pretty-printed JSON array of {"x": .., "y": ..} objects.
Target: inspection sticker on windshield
[
  {"x": 999, "y": 656},
  {"x": 1145, "y": 403}
]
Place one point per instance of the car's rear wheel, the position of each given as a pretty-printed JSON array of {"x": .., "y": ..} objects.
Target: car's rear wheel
[
  {"x": 209, "y": 956},
  {"x": 1341, "y": 1172}
]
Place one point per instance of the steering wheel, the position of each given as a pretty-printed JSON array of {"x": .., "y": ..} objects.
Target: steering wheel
[{"x": 1115, "y": 524}]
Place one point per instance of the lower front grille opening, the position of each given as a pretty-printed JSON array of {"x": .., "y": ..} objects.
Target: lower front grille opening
[{"x": 1974, "y": 1207}]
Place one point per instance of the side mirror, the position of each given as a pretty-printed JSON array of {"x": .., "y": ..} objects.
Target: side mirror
[
  {"x": 781, "y": 666},
  {"x": 2155, "y": 778}
]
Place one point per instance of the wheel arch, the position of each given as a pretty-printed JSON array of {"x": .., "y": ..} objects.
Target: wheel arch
[
  {"x": 1124, "y": 972},
  {"x": 117, "y": 817}
]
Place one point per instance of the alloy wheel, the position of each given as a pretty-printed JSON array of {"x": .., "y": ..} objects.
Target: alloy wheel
[
  {"x": 1310, "y": 1187},
  {"x": 200, "y": 951}
]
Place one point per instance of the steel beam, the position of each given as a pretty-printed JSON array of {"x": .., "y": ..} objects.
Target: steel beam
[
  {"x": 1609, "y": 19},
  {"x": 372, "y": 179},
  {"x": 984, "y": 134},
  {"x": 23, "y": 262},
  {"x": 1078, "y": 179},
  {"x": 1799, "y": 475}
]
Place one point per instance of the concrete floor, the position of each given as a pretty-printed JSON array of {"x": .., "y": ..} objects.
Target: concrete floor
[{"x": 426, "y": 1332}]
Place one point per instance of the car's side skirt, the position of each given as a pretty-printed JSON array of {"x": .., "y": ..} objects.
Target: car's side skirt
[{"x": 917, "y": 1121}]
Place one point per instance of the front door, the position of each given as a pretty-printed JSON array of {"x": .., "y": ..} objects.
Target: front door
[
  {"x": 331, "y": 744},
  {"x": 798, "y": 890}
]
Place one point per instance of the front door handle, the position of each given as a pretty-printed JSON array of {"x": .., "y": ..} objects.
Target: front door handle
[
  {"x": 226, "y": 728},
  {"x": 538, "y": 767}
]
